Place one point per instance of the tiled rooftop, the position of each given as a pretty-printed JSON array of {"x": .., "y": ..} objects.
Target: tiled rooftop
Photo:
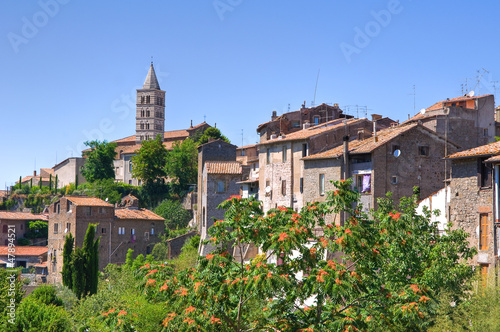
[
  {"x": 136, "y": 214},
  {"x": 316, "y": 130},
  {"x": 223, "y": 167},
  {"x": 24, "y": 251},
  {"x": 484, "y": 150},
  {"x": 16, "y": 215},
  {"x": 88, "y": 201},
  {"x": 369, "y": 144}
]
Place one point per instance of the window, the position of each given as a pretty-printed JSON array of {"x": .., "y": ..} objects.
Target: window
[
  {"x": 68, "y": 227},
  {"x": 484, "y": 173},
  {"x": 57, "y": 208},
  {"x": 301, "y": 185},
  {"x": 142, "y": 99},
  {"x": 423, "y": 150},
  {"x": 102, "y": 210},
  {"x": 242, "y": 153},
  {"x": 322, "y": 184},
  {"x": 268, "y": 156},
  {"x": 147, "y": 114},
  {"x": 204, "y": 217},
  {"x": 316, "y": 120},
  {"x": 132, "y": 231},
  {"x": 148, "y": 100},
  {"x": 146, "y": 236},
  {"x": 56, "y": 228},
  {"x": 88, "y": 211},
  {"x": 142, "y": 113},
  {"x": 485, "y": 132},
  {"x": 221, "y": 186},
  {"x": 296, "y": 124},
  {"x": 129, "y": 181},
  {"x": 363, "y": 183},
  {"x": 130, "y": 166},
  {"x": 103, "y": 230},
  {"x": 152, "y": 231},
  {"x": 147, "y": 125},
  {"x": 283, "y": 154},
  {"x": 283, "y": 187},
  {"x": 483, "y": 231},
  {"x": 394, "y": 179},
  {"x": 142, "y": 125},
  {"x": 484, "y": 274},
  {"x": 305, "y": 150},
  {"x": 121, "y": 230}
]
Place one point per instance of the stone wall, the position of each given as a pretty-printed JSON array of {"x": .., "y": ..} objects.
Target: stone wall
[{"x": 468, "y": 201}]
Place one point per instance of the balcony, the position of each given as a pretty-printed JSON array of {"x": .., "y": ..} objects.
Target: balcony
[{"x": 357, "y": 168}]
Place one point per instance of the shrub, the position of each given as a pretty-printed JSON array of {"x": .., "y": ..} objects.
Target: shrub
[{"x": 173, "y": 212}]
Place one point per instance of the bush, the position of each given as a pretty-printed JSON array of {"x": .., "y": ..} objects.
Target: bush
[
  {"x": 175, "y": 215},
  {"x": 47, "y": 295},
  {"x": 160, "y": 251},
  {"x": 33, "y": 315},
  {"x": 23, "y": 242}
]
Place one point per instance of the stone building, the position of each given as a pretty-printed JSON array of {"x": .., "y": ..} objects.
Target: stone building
[
  {"x": 396, "y": 160},
  {"x": 474, "y": 201},
  {"x": 45, "y": 175},
  {"x": 175, "y": 245},
  {"x": 17, "y": 222},
  {"x": 25, "y": 256},
  {"x": 119, "y": 229},
  {"x": 295, "y": 121},
  {"x": 454, "y": 117},
  {"x": 249, "y": 155},
  {"x": 281, "y": 178},
  {"x": 69, "y": 171}
]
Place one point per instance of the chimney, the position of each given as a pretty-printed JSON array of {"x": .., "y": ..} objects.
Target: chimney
[
  {"x": 34, "y": 173},
  {"x": 306, "y": 124},
  {"x": 191, "y": 123},
  {"x": 375, "y": 117},
  {"x": 274, "y": 116}
]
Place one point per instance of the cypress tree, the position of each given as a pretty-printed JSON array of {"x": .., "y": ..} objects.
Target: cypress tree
[
  {"x": 76, "y": 181},
  {"x": 31, "y": 183},
  {"x": 90, "y": 251},
  {"x": 20, "y": 185},
  {"x": 50, "y": 182},
  {"x": 78, "y": 268},
  {"x": 67, "y": 275},
  {"x": 55, "y": 186},
  {"x": 40, "y": 183}
]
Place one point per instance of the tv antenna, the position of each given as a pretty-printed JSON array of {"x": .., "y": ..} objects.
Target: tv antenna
[
  {"x": 479, "y": 77},
  {"x": 315, "y": 89}
]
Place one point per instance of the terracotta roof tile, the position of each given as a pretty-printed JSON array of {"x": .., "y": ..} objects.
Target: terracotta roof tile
[
  {"x": 369, "y": 144},
  {"x": 223, "y": 167},
  {"x": 312, "y": 131},
  {"x": 494, "y": 159},
  {"x": 16, "y": 215},
  {"x": 484, "y": 150},
  {"x": 246, "y": 146},
  {"x": 24, "y": 251},
  {"x": 138, "y": 214},
  {"x": 87, "y": 201}
]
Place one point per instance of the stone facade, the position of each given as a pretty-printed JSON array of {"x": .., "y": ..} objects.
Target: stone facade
[
  {"x": 175, "y": 245},
  {"x": 69, "y": 171},
  {"x": 17, "y": 222},
  {"x": 118, "y": 230},
  {"x": 150, "y": 114},
  {"x": 470, "y": 204}
]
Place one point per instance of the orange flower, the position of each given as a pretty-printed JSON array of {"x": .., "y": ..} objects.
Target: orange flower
[
  {"x": 320, "y": 275},
  {"x": 395, "y": 216},
  {"x": 151, "y": 272},
  {"x": 312, "y": 207},
  {"x": 348, "y": 231},
  {"x": 415, "y": 289},
  {"x": 169, "y": 317},
  {"x": 424, "y": 299},
  {"x": 190, "y": 309},
  {"x": 146, "y": 266},
  {"x": 307, "y": 308},
  {"x": 338, "y": 282},
  {"x": 295, "y": 215},
  {"x": 269, "y": 274},
  {"x": 150, "y": 282},
  {"x": 283, "y": 236},
  {"x": 336, "y": 193},
  {"x": 184, "y": 291},
  {"x": 196, "y": 286},
  {"x": 209, "y": 256},
  {"x": 312, "y": 251},
  {"x": 235, "y": 196},
  {"x": 282, "y": 208},
  {"x": 329, "y": 226},
  {"x": 375, "y": 251},
  {"x": 340, "y": 240},
  {"x": 189, "y": 321},
  {"x": 324, "y": 242},
  {"x": 331, "y": 265},
  {"x": 164, "y": 287},
  {"x": 122, "y": 313},
  {"x": 342, "y": 181},
  {"x": 214, "y": 320},
  {"x": 109, "y": 312}
]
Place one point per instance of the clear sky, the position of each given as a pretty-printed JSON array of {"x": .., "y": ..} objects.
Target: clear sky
[{"x": 70, "y": 68}]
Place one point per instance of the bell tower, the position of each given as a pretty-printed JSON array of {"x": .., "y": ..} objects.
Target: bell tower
[{"x": 150, "y": 115}]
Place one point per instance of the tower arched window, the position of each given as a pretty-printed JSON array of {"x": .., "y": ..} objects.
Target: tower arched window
[
  {"x": 142, "y": 99},
  {"x": 142, "y": 125},
  {"x": 148, "y": 99},
  {"x": 142, "y": 113},
  {"x": 147, "y": 114},
  {"x": 147, "y": 125}
]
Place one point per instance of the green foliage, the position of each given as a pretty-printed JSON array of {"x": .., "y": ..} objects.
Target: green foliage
[
  {"x": 105, "y": 189},
  {"x": 78, "y": 272},
  {"x": 23, "y": 242},
  {"x": 67, "y": 273},
  {"x": 148, "y": 164},
  {"x": 34, "y": 315},
  {"x": 99, "y": 161},
  {"x": 129, "y": 260},
  {"x": 160, "y": 251},
  {"x": 9, "y": 291},
  {"x": 47, "y": 295},
  {"x": 37, "y": 229},
  {"x": 182, "y": 166},
  {"x": 91, "y": 253},
  {"x": 138, "y": 262},
  {"x": 175, "y": 215},
  {"x": 212, "y": 133},
  {"x": 393, "y": 268}
]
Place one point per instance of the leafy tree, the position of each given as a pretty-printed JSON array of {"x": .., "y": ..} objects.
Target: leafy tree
[
  {"x": 99, "y": 161},
  {"x": 148, "y": 164},
  {"x": 160, "y": 251},
  {"x": 47, "y": 295},
  {"x": 35, "y": 315},
  {"x": 129, "y": 259},
  {"x": 37, "y": 229},
  {"x": 182, "y": 165},
  {"x": 67, "y": 273},
  {"x": 173, "y": 212},
  {"x": 212, "y": 133},
  {"x": 389, "y": 271}
]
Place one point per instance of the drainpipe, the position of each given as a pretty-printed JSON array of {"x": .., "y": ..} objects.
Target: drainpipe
[{"x": 291, "y": 178}]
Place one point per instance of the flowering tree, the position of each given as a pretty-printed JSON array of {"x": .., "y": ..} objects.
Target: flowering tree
[{"x": 378, "y": 271}]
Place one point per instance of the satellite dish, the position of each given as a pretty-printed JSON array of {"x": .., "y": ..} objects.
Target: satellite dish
[
  {"x": 422, "y": 111},
  {"x": 65, "y": 230},
  {"x": 106, "y": 199},
  {"x": 471, "y": 93},
  {"x": 268, "y": 189},
  {"x": 397, "y": 153}
]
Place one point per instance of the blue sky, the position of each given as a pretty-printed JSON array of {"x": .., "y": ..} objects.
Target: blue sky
[{"x": 70, "y": 68}]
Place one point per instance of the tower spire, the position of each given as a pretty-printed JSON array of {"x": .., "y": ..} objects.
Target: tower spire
[{"x": 151, "y": 81}]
